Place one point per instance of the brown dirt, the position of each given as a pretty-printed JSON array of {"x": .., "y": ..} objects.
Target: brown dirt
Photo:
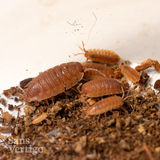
[{"x": 131, "y": 132}]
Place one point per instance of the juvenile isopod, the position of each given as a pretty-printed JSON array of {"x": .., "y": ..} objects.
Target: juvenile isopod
[
  {"x": 105, "y": 105},
  {"x": 54, "y": 81},
  {"x": 130, "y": 73},
  {"x": 93, "y": 74},
  {"x": 101, "y": 86},
  {"x": 100, "y": 55}
]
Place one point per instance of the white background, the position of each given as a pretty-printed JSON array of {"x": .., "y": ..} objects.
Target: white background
[{"x": 36, "y": 35}]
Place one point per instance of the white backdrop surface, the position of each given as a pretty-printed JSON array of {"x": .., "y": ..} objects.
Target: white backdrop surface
[{"x": 38, "y": 34}]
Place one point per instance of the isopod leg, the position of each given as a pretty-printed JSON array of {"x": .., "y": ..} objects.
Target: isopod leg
[
  {"x": 122, "y": 92},
  {"x": 78, "y": 88},
  {"x": 78, "y": 54},
  {"x": 92, "y": 69},
  {"x": 83, "y": 49},
  {"x": 46, "y": 100},
  {"x": 105, "y": 116},
  {"x": 85, "y": 62},
  {"x": 98, "y": 118},
  {"x": 52, "y": 99}
]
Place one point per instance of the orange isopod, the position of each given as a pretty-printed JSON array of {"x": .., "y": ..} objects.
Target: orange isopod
[
  {"x": 100, "y": 55},
  {"x": 105, "y": 105},
  {"x": 130, "y": 73},
  {"x": 102, "y": 86},
  {"x": 54, "y": 81},
  {"x": 93, "y": 74}
]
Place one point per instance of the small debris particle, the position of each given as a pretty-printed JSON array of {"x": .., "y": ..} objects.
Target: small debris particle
[
  {"x": 2, "y": 137},
  {"x": 39, "y": 118},
  {"x": 5, "y": 129},
  {"x": 1, "y": 120},
  {"x": 144, "y": 65},
  {"x": 123, "y": 144},
  {"x": 7, "y": 117},
  {"x": 24, "y": 82},
  {"x": 156, "y": 65},
  {"x": 127, "y": 121},
  {"x": 10, "y": 107},
  {"x": 16, "y": 99},
  {"x": 118, "y": 123},
  {"x": 143, "y": 79},
  {"x": 141, "y": 129},
  {"x": 127, "y": 62},
  {"x": 157, "y": 84},
  {"x": 91, "y": 101},
  {"x": 79, "y": 146},
  {"x": 157, "y": 149},
  {"x": 3, "y": 102}
]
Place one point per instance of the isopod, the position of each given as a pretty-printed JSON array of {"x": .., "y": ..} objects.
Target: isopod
[
  {"x": 54, "y": 81},
  {"x": 92, "y": 74},
  {"x": 130, "y": 73},
  {"x": 102, "y": 86},
  {"x": 105, "y": 105},
  {"x": 100, "y": 55}
]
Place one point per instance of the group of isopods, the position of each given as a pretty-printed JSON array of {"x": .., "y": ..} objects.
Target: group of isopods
[{"x": 62, "y": 77}]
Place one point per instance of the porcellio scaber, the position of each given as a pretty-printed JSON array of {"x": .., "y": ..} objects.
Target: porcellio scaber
[{"x": 54, "y": 81}]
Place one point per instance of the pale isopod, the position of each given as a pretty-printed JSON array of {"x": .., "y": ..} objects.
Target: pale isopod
[{"x": 105, "y": 105}]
